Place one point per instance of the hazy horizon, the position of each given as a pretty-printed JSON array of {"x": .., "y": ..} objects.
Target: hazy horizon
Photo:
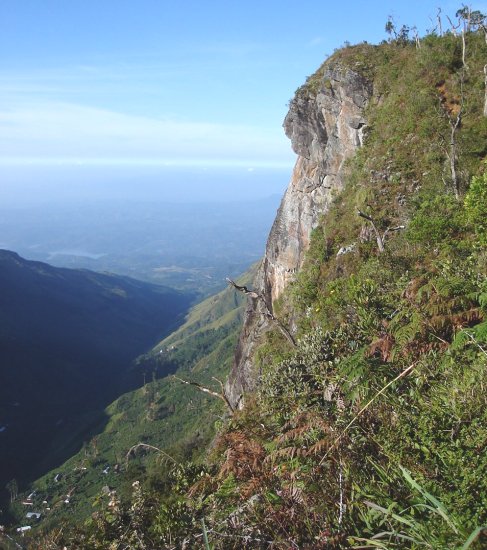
[{"x": 34, "y": 185}]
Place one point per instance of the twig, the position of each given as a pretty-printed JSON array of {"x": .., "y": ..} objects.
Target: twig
[
  {"x": 147, "y": 446},
  {"x": 341, "y": 504},
  {"x": 365, "y": 407},
  {"x": 204, "y": 389},
  {"x": 475, "y": 342}
]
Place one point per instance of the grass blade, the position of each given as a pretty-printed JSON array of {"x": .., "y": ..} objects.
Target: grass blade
[{"x": 473, "y": 536}]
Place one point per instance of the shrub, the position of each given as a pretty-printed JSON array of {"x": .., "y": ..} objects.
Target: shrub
[{"x": 476, "y": 206}]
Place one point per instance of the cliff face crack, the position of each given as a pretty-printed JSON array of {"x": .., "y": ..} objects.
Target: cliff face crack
[{"x": 325, "y": 129}]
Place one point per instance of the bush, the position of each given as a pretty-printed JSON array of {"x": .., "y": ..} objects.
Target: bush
[{"x": 476, "y": 206}]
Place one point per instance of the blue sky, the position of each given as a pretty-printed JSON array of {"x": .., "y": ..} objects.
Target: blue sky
[{"x": 160, "y": 82}]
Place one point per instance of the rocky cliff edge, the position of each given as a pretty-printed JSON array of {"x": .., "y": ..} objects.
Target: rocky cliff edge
[{"x": 325, "y": 124}]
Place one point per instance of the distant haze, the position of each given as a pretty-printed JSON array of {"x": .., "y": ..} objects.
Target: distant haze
[
  {"x": 186, "y": 228},
  {"x": 36, "y": 185}
]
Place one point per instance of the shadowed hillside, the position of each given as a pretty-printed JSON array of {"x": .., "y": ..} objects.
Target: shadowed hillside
[
  {"x": 164, "y": 414},
  {"x": 67, "y": 341}
]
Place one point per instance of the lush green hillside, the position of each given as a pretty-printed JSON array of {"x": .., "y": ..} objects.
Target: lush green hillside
[
  {"x": 67, "y": 342},
  {"x": 371, "y": 432},
  {"x": 164, "y": 414}
]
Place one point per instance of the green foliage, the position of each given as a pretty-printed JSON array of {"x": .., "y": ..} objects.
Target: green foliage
[
  {"x": 424, "y": 523},
  {"x": 298, "y": 383},
  {"x": 476, "y": 207},
  {"x": 438, "y": 218}
]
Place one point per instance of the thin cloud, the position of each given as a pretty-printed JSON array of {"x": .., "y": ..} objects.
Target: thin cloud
[{"x": 64, "y": 132}]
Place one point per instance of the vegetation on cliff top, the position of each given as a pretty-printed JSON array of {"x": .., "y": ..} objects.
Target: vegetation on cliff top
[{"x": 372, "y": 432}]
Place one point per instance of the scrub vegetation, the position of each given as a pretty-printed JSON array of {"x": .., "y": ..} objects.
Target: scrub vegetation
[{"x": 372, "y": 431}]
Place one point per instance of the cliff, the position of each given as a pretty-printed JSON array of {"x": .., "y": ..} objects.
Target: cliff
[{"x": 325, "y": 124}]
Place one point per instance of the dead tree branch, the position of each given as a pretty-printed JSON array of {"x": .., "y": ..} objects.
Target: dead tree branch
[
  {"x": 454, "y": 117},
  {"x": 438, "y": 18},
  {"x": 484, "y": 29},
  {"x": 268, "y": 313},
  {"x": 380, "y": 238},
  {"x": 454, "y": 28},
  {"x": 204, "y": 389}
]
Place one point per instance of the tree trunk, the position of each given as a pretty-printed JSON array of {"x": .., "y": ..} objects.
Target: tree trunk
[
  {"x": 485, "y": 94},
  {"x": 453, "y": 158}
]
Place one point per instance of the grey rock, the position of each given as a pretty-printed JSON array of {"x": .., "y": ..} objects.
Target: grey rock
[
  {"x": 346, "y": 249},
  {"x": 325, "y": 130}
]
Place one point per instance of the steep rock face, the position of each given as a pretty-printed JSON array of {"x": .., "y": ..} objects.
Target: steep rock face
[{"x": 325, "y": 129}]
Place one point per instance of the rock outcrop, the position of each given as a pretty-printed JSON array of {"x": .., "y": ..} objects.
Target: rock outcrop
[{"x": 325, "y": 128}]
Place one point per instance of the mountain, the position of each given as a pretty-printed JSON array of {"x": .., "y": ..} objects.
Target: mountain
[
  {"x": 361, "y": 367},
  {"x": 325, "y": 130},
  {"x": 188, "y": 246},
  {"x": 67, "y": 342}
]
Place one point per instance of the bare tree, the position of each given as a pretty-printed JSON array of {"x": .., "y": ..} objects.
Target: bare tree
[
  {"x": 484, "y": 30},
  {"x": 267, "y": 311},
  {"x": 453, "y": 154},
  {"x": 13, "y": 489},
  {"x": 467, "y": 21},
  {"x": 438, "y": 18},
  {"x": 94, "y": 445},
  {"x": 417, "y": 41},
  {"x": 379, "y": 237}
]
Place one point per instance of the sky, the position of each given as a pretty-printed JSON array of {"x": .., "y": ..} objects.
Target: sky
[{"x": 138, "y": 84}]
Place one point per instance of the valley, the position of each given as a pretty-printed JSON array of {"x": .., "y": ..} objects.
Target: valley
[
  {"x": 68, "y": 341},
  {"x": 188, "y": 246},
  {"x": 161, "y": 413}
]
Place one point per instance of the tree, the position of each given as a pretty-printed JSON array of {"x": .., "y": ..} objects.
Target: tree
[
  {"x": 380, "y": 238},
  {"x": 13, "y": 489},
  {"x": 390, "y": 28},
  {"x": 401, "y": 36},
  {"x": 469, "y": 21}
]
